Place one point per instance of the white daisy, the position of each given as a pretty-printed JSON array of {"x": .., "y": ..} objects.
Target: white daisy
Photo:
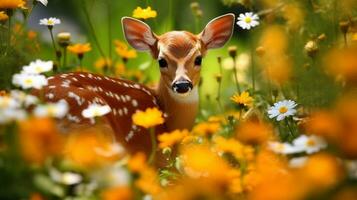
[
  {"x": 95, "y": 110},
  {"x": 24, "y": 98},
  {"x": 248, "y": 20},
  {"x": 66, "y": 178},
  {"x": 310, "y": 144},
  {"x": 44, "y": 2},
  {"x": 11, "y": 114},
  {"x": 27, "y": 81},
  {"x": 50, "y": 21},
  {"x": 58, "y": 110},
  {"x": 37, "y": 67},
  {"x": 7, "y": 102},
  {"x": 297, "y": 162},
  {"x": 284, "y": 148},
  {"x": 282, "y": 109}
]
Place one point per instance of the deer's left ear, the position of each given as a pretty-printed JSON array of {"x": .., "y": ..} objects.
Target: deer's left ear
[{"x": 218, "y": 31}]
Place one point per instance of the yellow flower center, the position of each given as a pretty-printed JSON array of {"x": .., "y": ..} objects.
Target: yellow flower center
[
  {"x": 248, "y": 20},
  {"x": 50, "y": 22},
  {"x": 310, "y": 143},
  {"x": 28, "y": 81},
  {"x": 283, "y": 109},
  {"x": 38, "y": 69}
]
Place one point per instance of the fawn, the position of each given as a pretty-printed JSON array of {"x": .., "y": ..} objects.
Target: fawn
[{"x": 179, "y": 55}]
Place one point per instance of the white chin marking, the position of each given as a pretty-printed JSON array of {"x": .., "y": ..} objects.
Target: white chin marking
[{"x": 188, "y": 97}]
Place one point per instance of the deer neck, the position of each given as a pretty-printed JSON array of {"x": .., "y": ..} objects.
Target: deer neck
[{"x": 181, "y": 110}]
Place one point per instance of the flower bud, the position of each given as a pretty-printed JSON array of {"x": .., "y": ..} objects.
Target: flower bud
[
  {"x": 321, "y": 37},
  {"x": 260, "y": 51},
  {"x": 311, "y": 48},
  {"x": 195, "y": 6},
  {"x": 64, "y": 39},
  {"x": 344, "y": 25},
  {"x": 232, "y": 51},
  {"x": 218, "y": 77}
]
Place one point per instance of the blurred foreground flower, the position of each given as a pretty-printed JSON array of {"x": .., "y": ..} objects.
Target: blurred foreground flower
[
  {"x": 39, "y": 139},
  {"x": 11, "y": 4},
  {"x": 170, "y": 139},
  {"x": 57, "y": 110},
  {"x": 149, "y": 118},
  {"x": 248, "y": 20},
  {"x": 37, "y": 67},
  {"x": 3, "y": 16},
  {"x": 282, "y": 109},
  {"x": 27, "y": 81},
  {"x": 310, "y": 144},
  {"x": 254, "y": 132},
  {"x": 146, "y": 13}
]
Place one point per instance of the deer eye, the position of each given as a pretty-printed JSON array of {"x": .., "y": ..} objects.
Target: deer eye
[
  {"x": 162, "y": 63},
  {"x": 198, "y": 60}
]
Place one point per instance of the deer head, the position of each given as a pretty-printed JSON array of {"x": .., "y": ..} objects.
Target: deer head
[{"x": 179, "y": 53}]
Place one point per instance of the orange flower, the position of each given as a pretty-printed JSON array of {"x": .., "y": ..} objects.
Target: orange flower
[
  {"x": 122, "y": 50},
  {"x": 321, "y": 171},
  {"x": 41, "y": 142},
  {"x": 91, "y": 147},
  {"x": 148, "y": 182},
  {"x": 79, "y": 49},
  {"x": 253, "y": 132},
  {"x": 146, "y": 13},
  {"x": 116, "y": 193},
  {"x": 149, "y": 118},
  {"x": 11, "y": 4},
  {"x": 137, "y": 163},
  {"x": 36, "y": 196},
  {"x": 244, "y": 99},
  {"x": 170, "y": 139},
  {"x": 234, "y": 147},
  {"x": 294, "y": 15},
  {"x": 206, "y": 128},
  {"x": 102, "y": 63},
  {"x": 3, "y": 16}
]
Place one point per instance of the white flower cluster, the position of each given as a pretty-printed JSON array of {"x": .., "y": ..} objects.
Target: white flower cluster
[
  {"x": 52, "y": 21},
  {"x": 308, "y": 144},
  {"x": 31, "y": 77}
]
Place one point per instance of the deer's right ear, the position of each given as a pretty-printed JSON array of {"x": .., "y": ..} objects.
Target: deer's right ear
[{"x": 139, "y": 35}]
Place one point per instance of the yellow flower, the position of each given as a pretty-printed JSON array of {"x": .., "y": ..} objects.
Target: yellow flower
[
  {"x": 149, "y": 118},
  {"x": 39, "y": 143},
  {"x": 120, "y": 192},
  {"x": 170, "y": 139},
  {"x": 11, "y": 4},
  {"x": 206, "y": 128},
  {"x": 243, "y": 99},
  {"x": 3, "y": 16},
  {"x": 234, "y": 147},
  {"x": 102, "y": 63},
  {"x": 79, "y": 49},
  {"x": 144, "y": 13},
  {"x": 122, "y": 50}
]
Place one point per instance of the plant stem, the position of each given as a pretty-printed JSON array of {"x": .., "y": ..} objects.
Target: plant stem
[
  {"x": 218, "y": 98},
  {"x": 253, "y": 67},
  {"x": 91, "y": 27},
  {"x": 235, "y": 74},
  {"x": 57, "y": 57},
  {"x": 64, "y": 56},
  {"x": 110, "y": 36},
  {"x": 289, "y": 127},
  {"x": 153, "y": 146}
]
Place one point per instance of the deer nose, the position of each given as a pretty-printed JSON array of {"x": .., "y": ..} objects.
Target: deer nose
[{"x": 182, "y": 86}]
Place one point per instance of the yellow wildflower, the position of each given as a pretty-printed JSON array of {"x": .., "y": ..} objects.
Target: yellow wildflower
[
  {"x": 254, "y": 132},
  {"x": 146, "y": 13},
  {"x": 120, "y": 192},
  {"x": 170, "y": 139},
  {"x": 149, "y": 118},
  {"x": 102, "y": 63},
  {"x": 11, "y": 4},
  {"x": 243, "y": 99},
  {"x": 206, "y": 128},
  {"x": 3, "y": 16},
  {"x": 79, "y": 49},
  {"x": 234, "y": 147},
  {"x": 122, "y": 50},
  {"x": 148, "y": 182},
  {"x": 39, "y": 143},
  {"x": 137, "y": 162}
]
